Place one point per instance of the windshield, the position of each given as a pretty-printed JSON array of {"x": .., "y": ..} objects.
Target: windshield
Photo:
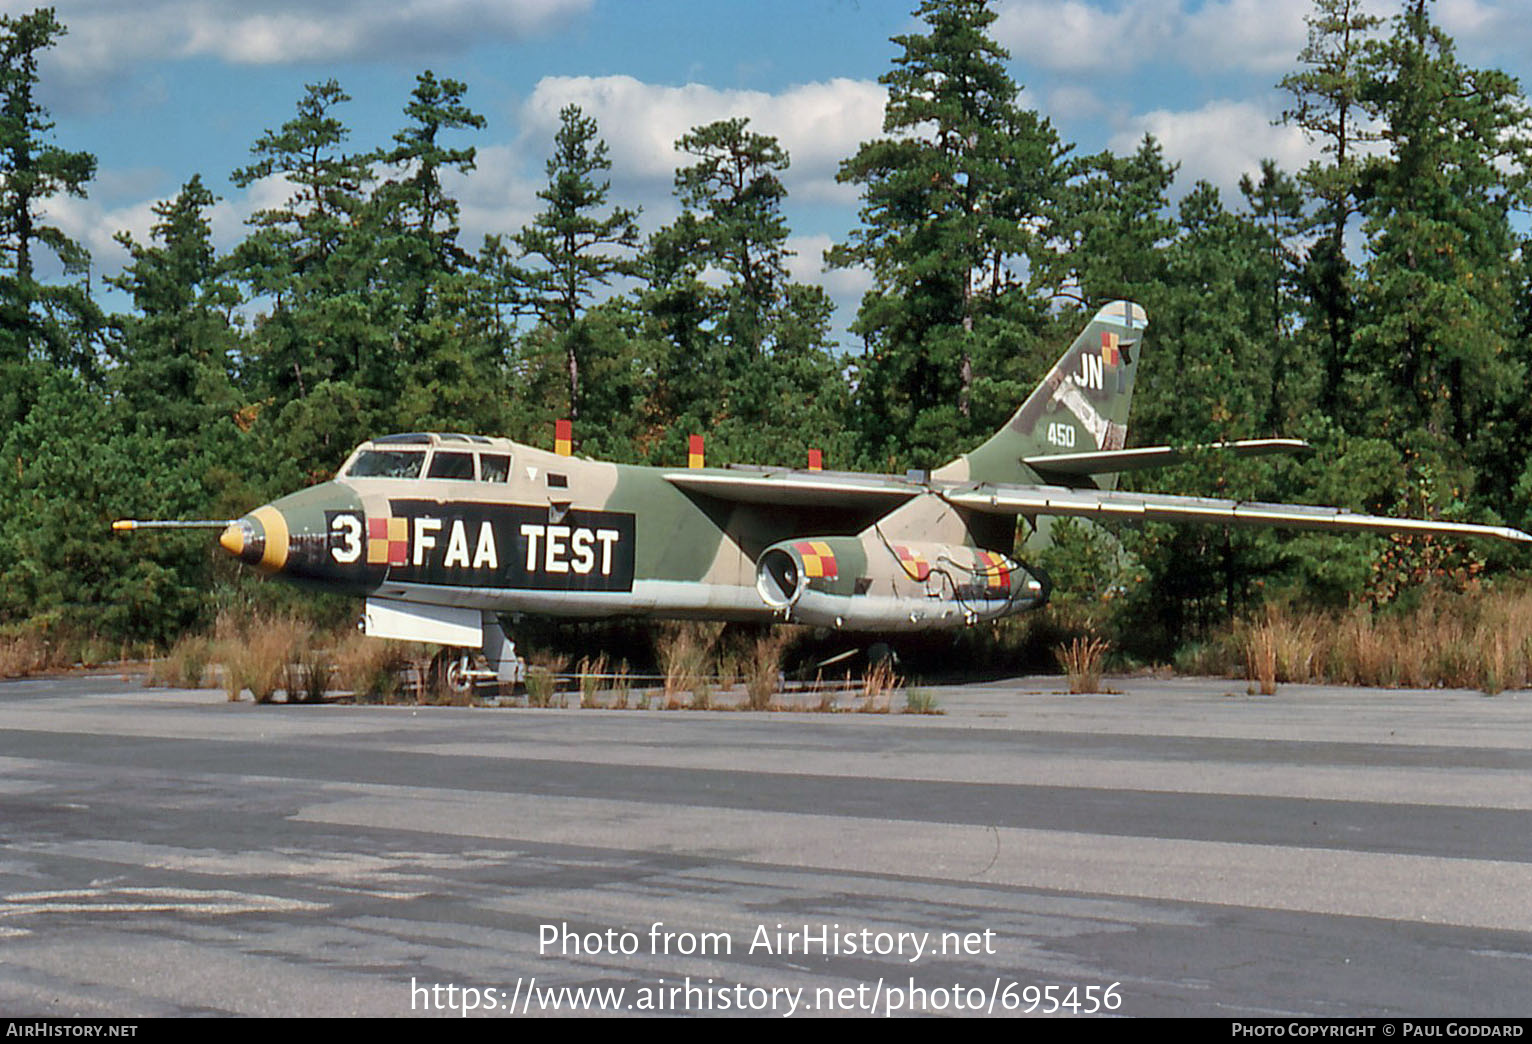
[
  {"x": 451, "y": 465},
  {"x": 387, "y": 464}
]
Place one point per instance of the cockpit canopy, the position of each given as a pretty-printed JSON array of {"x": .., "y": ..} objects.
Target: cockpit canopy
[{"x": 464, "y": 458}]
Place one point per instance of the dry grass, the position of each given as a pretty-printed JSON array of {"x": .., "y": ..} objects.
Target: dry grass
[
  {"x": 308, "y": 675},
  {"x": 1082, "y": 660},
  {"x": 24, "y": 654},
  {"x": 763, "y": 670},
  {"x": 1261, "y": 660},
  {"x": 1481, "y": 640},
  {"x": 686, "y": 658},
  {"x": 371, "y": 668},
  {"x": 879, "y": 683},
  {"x": 38, "y": 646},
  {"x": 622, "y": 685},
  {"x": 542, "y": 680},
  {"x": 186, "y": 665},
  {"x": 257, "y": 653},
  {"x": 1277, "y": 648},
  {"x": 589, "y": 675}
]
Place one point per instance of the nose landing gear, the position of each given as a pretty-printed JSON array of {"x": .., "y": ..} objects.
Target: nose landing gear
[{"x": 461, "y": 670}]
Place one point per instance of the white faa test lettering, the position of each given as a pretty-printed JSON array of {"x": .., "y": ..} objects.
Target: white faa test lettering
[{"x": 559, "y": 543}]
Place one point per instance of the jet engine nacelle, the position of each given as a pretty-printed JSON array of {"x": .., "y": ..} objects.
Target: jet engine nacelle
[{"x": 867, "y": 583}]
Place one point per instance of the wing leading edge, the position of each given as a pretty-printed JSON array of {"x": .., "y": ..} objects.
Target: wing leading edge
[
  {"x": 1164, "y": 507},
  {"x": 794, "y": 488}
]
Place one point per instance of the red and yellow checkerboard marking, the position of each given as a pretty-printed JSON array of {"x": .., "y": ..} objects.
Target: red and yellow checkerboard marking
[
  {"x": 995, "y": 569},
  {"x": 915, "y": 565},
  {"x": 388, "y": 541},
  {"x": 1111, "y": 354},
  {"x": 818, "y": 559}
]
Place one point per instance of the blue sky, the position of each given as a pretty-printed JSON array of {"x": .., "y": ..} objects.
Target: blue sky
[{"x": 160, "y": 90}]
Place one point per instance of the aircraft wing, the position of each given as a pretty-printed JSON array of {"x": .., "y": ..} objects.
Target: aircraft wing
[
  {"x": 1162, "y": 507},
  {"x": 793, "y": 488}
]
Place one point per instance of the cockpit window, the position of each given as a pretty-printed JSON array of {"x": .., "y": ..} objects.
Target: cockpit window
[
  {"x": 404, "y": 464},
  {"x": 494, "y": 467},
  {"x": 451, "y": 465}
]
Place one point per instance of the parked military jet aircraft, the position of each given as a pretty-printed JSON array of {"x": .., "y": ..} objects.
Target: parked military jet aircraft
[{"x": 443, "y": 533}]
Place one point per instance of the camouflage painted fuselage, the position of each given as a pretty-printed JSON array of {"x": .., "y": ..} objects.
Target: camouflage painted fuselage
[{"x": 572, "y": 537}]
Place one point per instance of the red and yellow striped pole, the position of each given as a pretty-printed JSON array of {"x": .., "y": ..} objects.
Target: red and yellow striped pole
[
  {"x": 563, "y": 438},
  {"x": 694, "y": 451}
]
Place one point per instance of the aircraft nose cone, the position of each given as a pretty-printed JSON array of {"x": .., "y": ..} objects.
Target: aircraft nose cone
[
  {"x": 259, "y": 539},
  {"x": 233, "y": 539}
]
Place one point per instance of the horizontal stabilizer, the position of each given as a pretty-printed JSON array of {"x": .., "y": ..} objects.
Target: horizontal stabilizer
[
  {"x": 1103, "y": 461},
  {"x": 1160, "y": 507}
]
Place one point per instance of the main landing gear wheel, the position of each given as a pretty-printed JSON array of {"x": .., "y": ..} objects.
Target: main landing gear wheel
[{"x": 452, "y": 670}]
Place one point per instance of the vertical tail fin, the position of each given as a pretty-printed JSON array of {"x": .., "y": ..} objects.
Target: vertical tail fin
[{"x": 1082, "y": 405}]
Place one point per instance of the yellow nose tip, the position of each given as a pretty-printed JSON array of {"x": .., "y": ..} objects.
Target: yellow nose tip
[
  {"x": 274, "y": 525},
  {"x": 233, "y": 539}
]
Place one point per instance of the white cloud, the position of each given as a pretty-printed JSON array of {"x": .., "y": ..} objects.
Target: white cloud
[
  {"x": 496, "y": 198},
  {"x": 93, "y": 226},
  {"x": 818, "y": 123},
  {"x": 1255, "y": 37},
  {"x": 1075, "y": 103},
  {"x": 1258, "y": 36},
  {"x": 1488, "y": 34},
  {"x": 1077, "y": 35},
  {"x": 844, "y": 285},
  {"x": 1087, "y": 36},
  {"x": 106, "y": 35},
  {"x": 1218, "y": 142},
  {"x": 806, "y": 265}
]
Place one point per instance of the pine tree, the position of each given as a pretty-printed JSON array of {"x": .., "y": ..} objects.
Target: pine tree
[
  {"x": 176, "y": 355},
  {"x": 308, "y": 258},
  {"x": 954, "y": 201},
  {"x": 733, "y": 195},
  {"x": 1327, "y": 105},
  {"x": 420, "y": 214},
  {"x": 1437, "y": 350},
  {"x": 1112, "y": 227},
  {"x": 572, "y": 238},
  {"x": 57, "y": 323},
  {"x": 1276, "y": 221}
]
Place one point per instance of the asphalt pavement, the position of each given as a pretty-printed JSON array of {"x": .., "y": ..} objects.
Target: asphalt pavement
[{"x": 1179, "y": 847}]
